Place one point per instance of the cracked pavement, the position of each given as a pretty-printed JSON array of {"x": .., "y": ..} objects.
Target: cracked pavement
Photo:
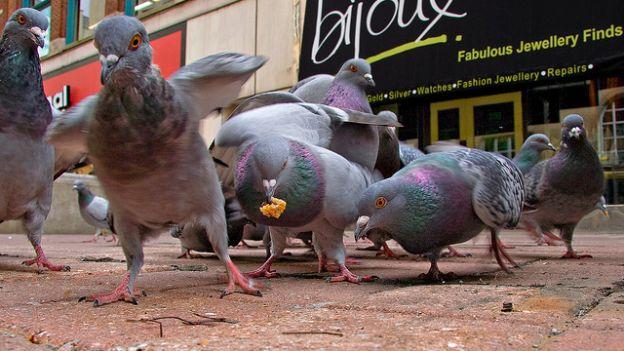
[{"x": 556, "y": 303}]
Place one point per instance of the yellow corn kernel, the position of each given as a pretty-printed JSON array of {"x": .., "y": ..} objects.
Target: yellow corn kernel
[{"x": 274, "y": 209}]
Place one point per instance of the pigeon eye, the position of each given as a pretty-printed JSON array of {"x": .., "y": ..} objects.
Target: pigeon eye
[
  {"x": 381, "y": 202},
  {"x": 353, "y": 68},
  {"x": 21, "y": 19},
  {"x": 135, "y": 42}
]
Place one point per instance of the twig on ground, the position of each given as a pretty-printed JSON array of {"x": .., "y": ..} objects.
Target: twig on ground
[
  {"x": 312, "y": 332},
  {"x": 207, "y": 320}
]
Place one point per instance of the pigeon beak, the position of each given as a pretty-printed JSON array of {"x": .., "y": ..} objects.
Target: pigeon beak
[
  {"x": 269, "y": 189},
  {"x": 552, "y": 147},
  {"x": 38, "y": 36},
  {"x": 108, "y": 63},
  {"x": 574, "y": 132},
  {"x": 75, "y": 187},
  {"x": 369, "y": 79},
  {"x": 605, "y": 212},
  {"x": 360, "y": 227}
]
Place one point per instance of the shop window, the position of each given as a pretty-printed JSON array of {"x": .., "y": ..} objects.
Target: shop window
[
  {"x": 149, "y": 6},
  {"x": 544, "y": 103},
  {"x": 45, "y": 8},
  {"x": 89, "y": 14},
  {"x": 448, "y": 124},
  {"x": 611, "y": 139},
  {"x": 494, "y": 119}
]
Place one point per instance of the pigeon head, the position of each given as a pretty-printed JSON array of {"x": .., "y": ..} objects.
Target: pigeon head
[
  {"x": 271, "y": 155},
  {"x": 356, "y": 71},
  {"x": 124, "y": 48},
  {"x": 539, "y": 143},
  {"x": 26, "y": 28},
  {"x": 573, "y": 130},
  {"x": 381, "y": 207},
  {"x": 79, "y": 186}
]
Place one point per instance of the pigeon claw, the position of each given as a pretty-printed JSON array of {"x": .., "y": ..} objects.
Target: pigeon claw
[
  {"x": 237, "y": 278},
  {"x": 42, "y": 261},
  {"x": 436, "y": 276},
  {"x": 346, "y": 276}
]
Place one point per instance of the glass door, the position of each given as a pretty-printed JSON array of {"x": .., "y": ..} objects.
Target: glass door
[{"x": 491, "y": 123}]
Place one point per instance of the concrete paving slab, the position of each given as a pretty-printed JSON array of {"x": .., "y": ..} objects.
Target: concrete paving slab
[{"x": 556, "y": 303}]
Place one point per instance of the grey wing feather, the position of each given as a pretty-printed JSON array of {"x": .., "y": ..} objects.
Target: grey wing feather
[
  {"x": 343, "y": 115},
  {"x": 213, "y": 81},
  {"x": 532, "y": 183},
  {"x": 313, "y": 89},
  {"x": 68, "y": 134},
  {"x": 296, "y": 121},
  {"x": 68, "y": 130},
  {"x": 98, "y": 211},
  {"x": 409, "y": 153},
  {"x": 498, "y": 194},
  {"x": 264, "y": 99}
]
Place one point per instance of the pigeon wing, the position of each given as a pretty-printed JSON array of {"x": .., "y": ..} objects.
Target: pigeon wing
[{"x": 214, "y": 81}]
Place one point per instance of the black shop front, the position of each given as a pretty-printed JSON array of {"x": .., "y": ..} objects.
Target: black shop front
[{"x": 485, "y": 74}]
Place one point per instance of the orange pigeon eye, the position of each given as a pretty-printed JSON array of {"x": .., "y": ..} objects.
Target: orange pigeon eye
[
  {"x": 353, "y": 68},
  {"x": 135, "y": 42},
  {"x": 21, "y": 19},
  {"x": 381, "y": 202}
]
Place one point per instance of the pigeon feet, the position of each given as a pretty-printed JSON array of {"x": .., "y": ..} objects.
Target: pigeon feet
[
  {"x": 452, "y": 252},
  {"x": 121, "y": 293},
  {"x": 264, "y": 271},
  {"x": 434, "y": 276},
  {"x": 113, "y": 239},
  {"x": 385, "y": 250},
  {"x": 551, "y": 239},
  {"x": 346, "y": 276},
  {"x": 498, "y": 248},
  {"x": 573, "y": 254},
  {"x": 237, "y": 278},
  {"x": 187, "y": 254},
  {"x": 42, "y": 261}
]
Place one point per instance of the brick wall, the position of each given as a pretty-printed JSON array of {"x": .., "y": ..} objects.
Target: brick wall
[{"x": 8, "y": 7}]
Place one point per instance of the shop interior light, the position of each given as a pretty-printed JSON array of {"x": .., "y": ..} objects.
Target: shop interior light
[{"x": 143, "y": 6}]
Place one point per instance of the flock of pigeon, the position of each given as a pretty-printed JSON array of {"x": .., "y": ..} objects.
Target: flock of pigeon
[{"x": 311, "y": 162}]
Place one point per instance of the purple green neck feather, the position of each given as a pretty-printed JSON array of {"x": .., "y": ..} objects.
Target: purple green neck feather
[
  {"x": 343, "y": 94},
  {"x": 526, "y": 159},
  {"x": 302, "y": 187},
  {"x": 20, "y": 80},
  {"x": 85, "y": 196}
]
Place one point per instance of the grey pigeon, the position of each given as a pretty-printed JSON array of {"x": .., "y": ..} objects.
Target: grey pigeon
[
  {"x": 320, "y": 188},
  {"x": 442, "y": 199},
  {"x": 94, "y": 210},
  {"x": 193, "y": 236},
  {"x": 27, "y": 160},
  {"x": 141, "y": 132},
  {"x": 409, "y": 153},
  {"x": 602, "y": 206},
  {"x": 531, "y": 150},
  {"x": 565, "y": 187},
  {"x": 355, "y": 142}
]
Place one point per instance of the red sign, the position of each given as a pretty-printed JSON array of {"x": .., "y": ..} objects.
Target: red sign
[{"x": 84, "y": 79}]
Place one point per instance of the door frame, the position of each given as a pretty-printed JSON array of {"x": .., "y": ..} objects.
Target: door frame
[{"x": 466, "y": 115}]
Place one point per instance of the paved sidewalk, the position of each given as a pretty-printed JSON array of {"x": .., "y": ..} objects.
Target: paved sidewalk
[{"x": 557, "y": 303}]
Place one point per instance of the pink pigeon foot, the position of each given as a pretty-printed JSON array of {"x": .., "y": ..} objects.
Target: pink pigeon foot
[
  {"x": 346, "y": 276},
  {"x": 237, "y": 278},
  {"x": 42, "y": 261}
]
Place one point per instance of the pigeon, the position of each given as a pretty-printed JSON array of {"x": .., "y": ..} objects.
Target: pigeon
[
  {"x": 484, "y": 190},
  {"x": 566, "y": 187},
  {"x": 94, "y": 210},
  {"x": 318, "y": 188},
  {"x": 409, "y": 153},
  {"x": 602, "y": 206},
  {"x": 348, "y": 90},
  {"x": 193, "y": 236},
  {"x": 529, "y": 154},
  {"x": 28, "y": 166},
  {"x": 141, "y": 132}
]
